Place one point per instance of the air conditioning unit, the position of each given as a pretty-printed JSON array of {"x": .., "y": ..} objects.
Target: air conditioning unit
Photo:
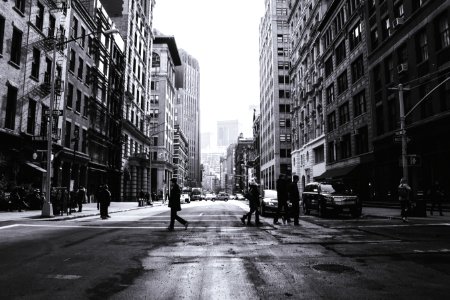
[
  {"x": 402, "y": 68},
  {"x": 397, "y": 22}
]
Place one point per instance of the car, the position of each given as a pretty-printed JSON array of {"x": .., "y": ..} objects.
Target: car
[
  {"x": 223, "y": 196},
  {"x": 330, "y": 197},
  {"x": 210, "y": 196},
  {"x": 184, "y": 198},
  {"x": 269, "y": 202},
  {"x": 196, "y": 194},
  {"x": 239, "y": 196}
]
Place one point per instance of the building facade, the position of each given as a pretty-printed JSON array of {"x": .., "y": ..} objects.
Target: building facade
[
  {"x": 180, "y": 156},
  {"x": 165, "y": 58},
  {"x": 409, "y": 44},
  {"x": 187, "y": 113},
  {"x": 275, "y": 93}
]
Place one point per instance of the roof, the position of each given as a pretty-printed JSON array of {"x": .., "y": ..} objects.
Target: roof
[{"x": 173, "y": 49}]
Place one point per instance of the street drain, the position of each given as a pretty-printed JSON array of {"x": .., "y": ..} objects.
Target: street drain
[{"x": 333, "y": 268}]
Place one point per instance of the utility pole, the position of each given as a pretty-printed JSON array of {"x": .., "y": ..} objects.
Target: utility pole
[{"x": 403, "y": 132}]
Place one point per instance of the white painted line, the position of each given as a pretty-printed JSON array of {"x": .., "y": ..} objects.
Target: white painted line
[
  {"x": 9, "y": 226},
  {"x": 402, "y": 225},
  {"x": 64, "y": 277},
  {"x": 191, "y": 226}
]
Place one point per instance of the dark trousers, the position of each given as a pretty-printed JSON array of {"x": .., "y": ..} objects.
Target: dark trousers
[
  {"x": 248, "y": 215},
  {"x": 404, "y": 204},
  {"x": 80, "y": 206},
  {"x": 103, "y": 210},
  {"x": 282, "y": 207},
  {"x": 174, "y": 216},
  {"x": 295, "y": 211}
]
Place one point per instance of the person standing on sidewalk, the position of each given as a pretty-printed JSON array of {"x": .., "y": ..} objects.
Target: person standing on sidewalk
[
  {"x": 294, "y": 197},
  {"x": 253, "y": 197},
  {"x": 104, "y": 199},
  {"x": 436, "y": 196},
  {"x": 282, "y": 196},
  {"x": 81, "y": 198},
  {"x": 175, "y": 205},
  {"x": 404, "y": 191}
]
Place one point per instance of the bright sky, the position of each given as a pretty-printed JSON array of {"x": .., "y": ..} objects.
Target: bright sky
[{"x": 224, "y": 37}]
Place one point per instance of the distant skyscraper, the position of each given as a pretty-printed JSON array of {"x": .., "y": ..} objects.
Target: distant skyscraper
[
  {"x": 227, "y": 132},
  {"x": 187, "y": 112}
]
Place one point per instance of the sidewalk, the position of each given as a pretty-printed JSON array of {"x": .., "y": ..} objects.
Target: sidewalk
[
  {"x": 394, "y": 213},
  {"x": 89, "y": 209}
]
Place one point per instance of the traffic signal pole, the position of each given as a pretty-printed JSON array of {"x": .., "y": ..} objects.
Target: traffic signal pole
[{"x": 403, "y": 132}]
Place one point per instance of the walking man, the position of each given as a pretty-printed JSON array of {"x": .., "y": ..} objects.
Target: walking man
[
  {"x": 175, "y": 206},
  {"x": 253, "y": 197},
  {"x": 403, "y": 196},
  {"x": 282, "y": 195},
  {"x": 294, "y": 197}
]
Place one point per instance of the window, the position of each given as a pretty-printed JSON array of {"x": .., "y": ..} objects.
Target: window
[
  {"x": 2, "y": 32},
  {"x": 355, "y": 36},
  {"x": 20, "y": 5},
  {"x": 40, "y": 16},
  {"x": 51, "y": 26},
  {"x": 374, "y": 38},
  {"x": 83, "y": 39},
  {"x": 422, "y": 46},
  {"x": 340, "y": 52},
  {"x": 67, "y": 134},
  {"x": 345, "y": 146},
  {"x": 44, "y": 120},
  {"x": 357, "y": 69},
  {"x": 35, "y": 64},
  {"x": 359, "y": 103},
  {"x": 399, "y": 10},
  {"x": 69, "y": 95},
  {"x": 330, "y": 93},
  {"x": 332, "y": 151},
  {"x": 362, "y": 140},
  {"x": 78, "y": 101},
  {"x": 444, "y": 33},
  {"x": 84, "y": 141},
  {"x": 328, "y": 37},
  {"x": 86, "y": 106},
  {"x": 342, "y": 82},
  {"x": 72, "y": 61},
  {"x": 319, "y": 154},
  {"x": 80, "y": 67},
  {"x": 16, "y": 46},
  {"x": 11, "y": 106},
  {"x": 31, "y": 118},
  {"x": 328, "y": 66},
  {"x": 344, "y": 114},
  {"x": 331, "y": 121},
  {"x": 88, "y": 78},
  {"x": 389, "y": 70},
  {"x": 380, "y": 120},
  {"x": 386, "y": 25},
  {"x": 75, "y": 28}
]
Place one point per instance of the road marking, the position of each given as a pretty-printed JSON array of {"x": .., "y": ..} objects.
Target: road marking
[
  {"x": 64, "y": 277},
  {"x": 191, "y": 226},
  {"x": 433, "y": 251},
  {"x": 9, "y": 226},
  {"x": 399, "y": 225}
]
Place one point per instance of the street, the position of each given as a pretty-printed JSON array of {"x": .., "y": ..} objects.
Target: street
[{"x": 132, "y": 255}]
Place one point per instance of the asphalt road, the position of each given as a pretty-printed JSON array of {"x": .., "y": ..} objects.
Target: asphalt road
[{"x": 133, "y": 256}]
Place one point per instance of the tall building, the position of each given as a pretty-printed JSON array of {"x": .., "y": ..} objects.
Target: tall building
[
  {"x": 275, "y": 93},
  {"x": 134, "y": 20},
  {"x": 187, "y": 113},
  {"x": 227, "y": 132},
  {"x": 165, "y": 58},
  {"x": 409, "y": 44},
  {"x": 308, "y": 121}
]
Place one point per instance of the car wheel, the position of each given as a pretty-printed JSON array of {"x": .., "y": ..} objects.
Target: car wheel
[
  {"x": 305, "y": 209},
  {"x": 263, "y": 211},
  {"x": 321, "y": 209}
]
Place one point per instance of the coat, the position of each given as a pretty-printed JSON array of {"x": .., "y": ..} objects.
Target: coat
[
  {"x": 294, "y": 195},
  {"x": 253, "y": 196},
  {"x": 282, "y": 190},
  {"x": 174, "y": 198}
]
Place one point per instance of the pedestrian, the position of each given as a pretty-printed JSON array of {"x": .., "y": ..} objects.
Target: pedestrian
[
  {"x": 282, "y": 196},
  {"x": 81, "y": 198},
  {"x": 294, "y": 197},
  {"x": 175, "y": 205},
  {"x": 253, "y": 197},
  {"x": 104, "y": 199},
  {"x": 404, "y": 191},
  {"x": 436, "y": 196},
  {"x": 16, "y": 202},
  {"x": 147, "y": 198},
  {"x": 141, "y": 198}
]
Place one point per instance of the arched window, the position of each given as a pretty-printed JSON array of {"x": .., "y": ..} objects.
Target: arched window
[{"x": 156, "y": 60}]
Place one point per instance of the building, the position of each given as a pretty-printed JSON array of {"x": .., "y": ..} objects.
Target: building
[
  {"x": 256, "y": 147},
  {"x": 242, "y": 163},
  {"x": 275, "y": 93},
  {"x": 165, "y": 58},
  {"x": 409, "y": 44},
  {"x": 180, "y": 156},
  {"x": 28, "y": 33},
  {"x": 227, "y": 132},
  {"x": 306, "y": 77},
  {"x": 187, "y": 113},
  {"x": 134, "y": 20}
]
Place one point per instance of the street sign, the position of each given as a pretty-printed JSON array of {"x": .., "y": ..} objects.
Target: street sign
[
  {"x": 398, "y": 139},
  {"x": 412, "y": 160},
  {"x": 400, "y": 132},
  {"x": 56, "y": 112}
]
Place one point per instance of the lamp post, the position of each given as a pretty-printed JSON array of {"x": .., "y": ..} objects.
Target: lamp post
[{"x": 47, "y": 210}]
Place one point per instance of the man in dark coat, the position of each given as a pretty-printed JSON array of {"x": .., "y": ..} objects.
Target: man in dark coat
[
  {"x": 294, "y": 197},
  {"x": 253, "y": 197},
  {"x": 104, "y": 199},
  {"x": 282, "y": 196},
  {"x": 175, "y": 205},
  {"x": 404, "y": 191},
  {"x": 81, "y": 198}
]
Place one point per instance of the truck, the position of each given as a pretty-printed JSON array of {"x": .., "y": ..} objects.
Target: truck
[{"x": 196, "y": 194}]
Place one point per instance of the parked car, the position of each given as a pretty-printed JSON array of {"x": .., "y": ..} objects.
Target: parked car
[
  {"x": 196, "y": 194},
  {"x": 222, "y": 196},
  {"x": 210, "y": 196},
  {"x": 269, "y": 202},
  {"x": 239, "y": 196},
  {"x": 330, "y": 198},
  {"x": 185, "y": 198}
]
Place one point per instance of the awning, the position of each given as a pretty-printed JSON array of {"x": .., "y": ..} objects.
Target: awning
[
  {"x": 336, "y": 173},
  {"x": 37, "y": 168}
]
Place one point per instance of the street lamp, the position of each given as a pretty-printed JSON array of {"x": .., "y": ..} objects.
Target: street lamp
[
  {"x": 403, "y": 116},
  {"x": 47, "y": 210}
]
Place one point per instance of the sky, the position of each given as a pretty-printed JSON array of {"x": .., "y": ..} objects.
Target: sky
[{"x": 224, "y": 37}]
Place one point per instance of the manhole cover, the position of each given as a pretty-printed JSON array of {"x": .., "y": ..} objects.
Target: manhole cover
[{"x": 333, "y": 268}]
